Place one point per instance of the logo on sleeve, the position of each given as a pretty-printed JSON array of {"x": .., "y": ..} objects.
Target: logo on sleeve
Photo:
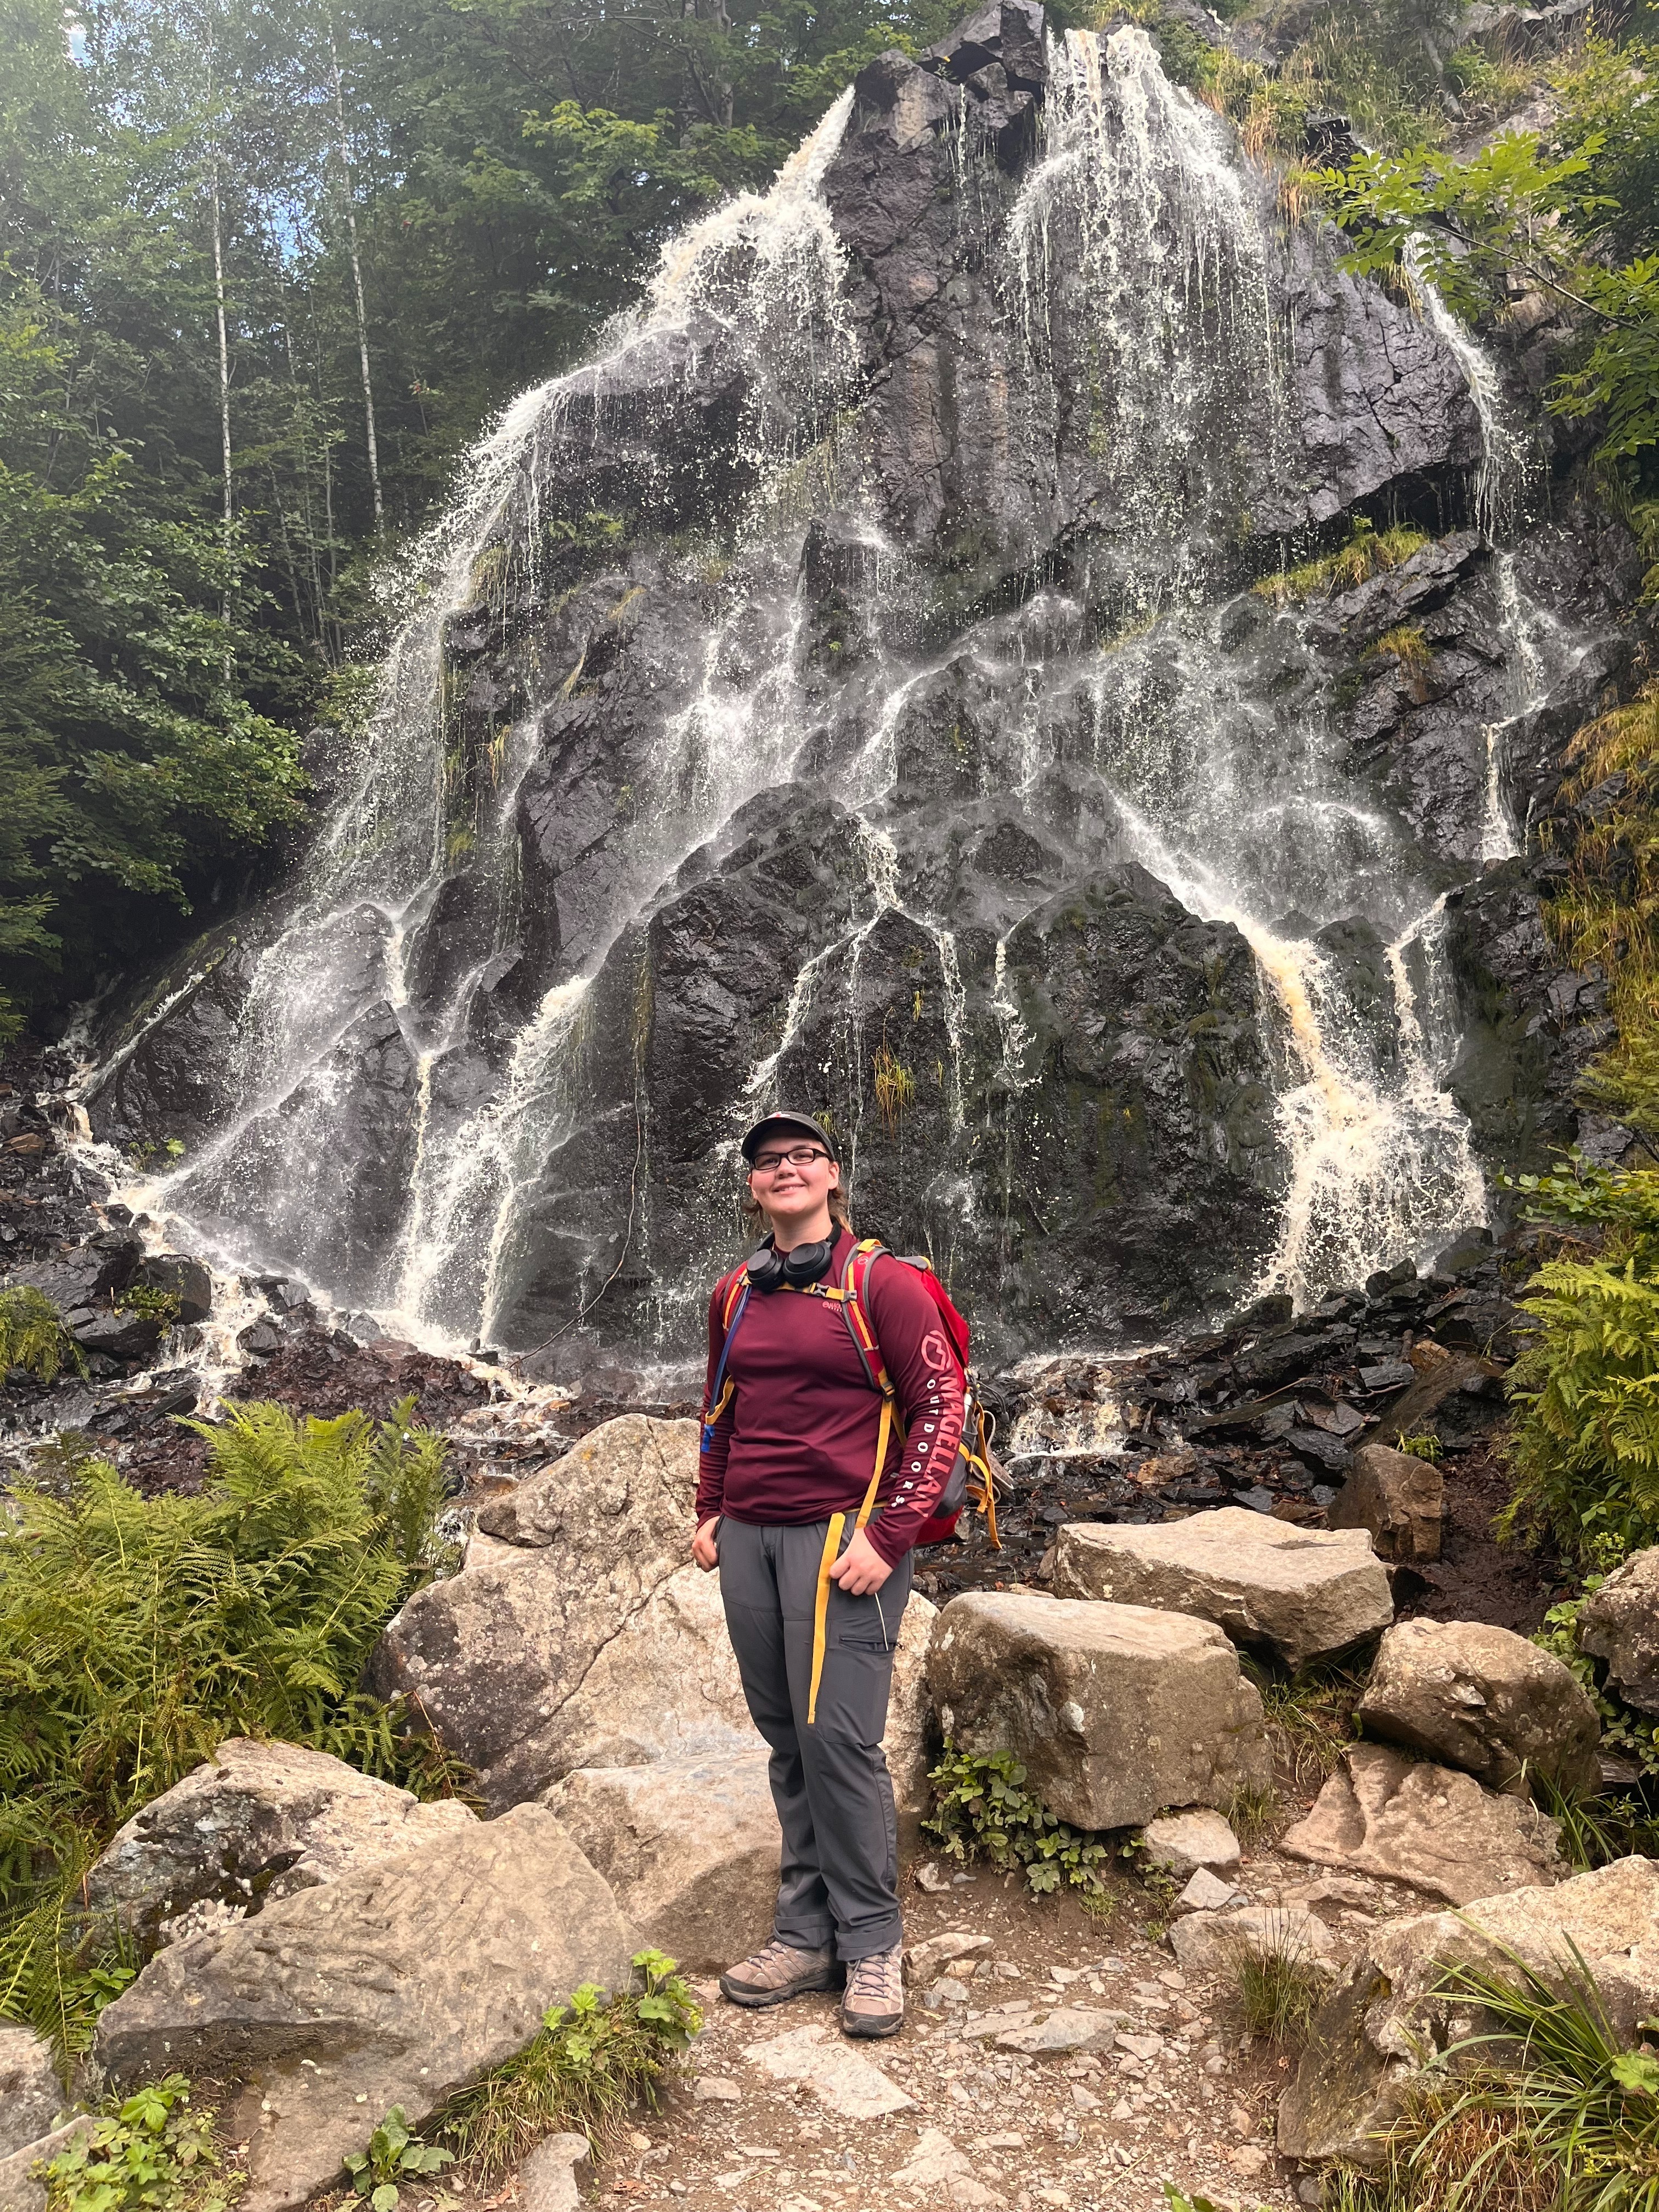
[{"x": 934, "y": 1350}]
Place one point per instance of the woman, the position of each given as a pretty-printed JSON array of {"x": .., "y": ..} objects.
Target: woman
[{"x": 814, "y": 1589}]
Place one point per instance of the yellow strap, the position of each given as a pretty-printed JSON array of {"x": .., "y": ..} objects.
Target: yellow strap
[
  {"x": 831, "y": 1546},
  {"x": 820, "y": 1609}
]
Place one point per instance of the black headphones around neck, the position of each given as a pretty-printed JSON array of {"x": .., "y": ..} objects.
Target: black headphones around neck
[{"x": 768, "y": 1269}]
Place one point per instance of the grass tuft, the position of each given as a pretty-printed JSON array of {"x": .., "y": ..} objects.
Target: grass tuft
[
  {"x": 1545, "y": 2108},
  {"x": 1313, "y": 1712},
  {"x": 591, "y": 2064},
  {"x": 1278, "y": 1991}
]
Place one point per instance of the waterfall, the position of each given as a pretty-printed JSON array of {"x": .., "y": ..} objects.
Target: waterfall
[
  {"x": 760, "y": 277},
  {"x": 677, "y": 632}
]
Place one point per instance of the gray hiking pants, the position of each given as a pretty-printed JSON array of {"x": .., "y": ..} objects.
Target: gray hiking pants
[{"x": 829, "y": 1781}]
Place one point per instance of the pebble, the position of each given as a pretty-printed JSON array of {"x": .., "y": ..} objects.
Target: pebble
[{"x": 715, "y": 2089}]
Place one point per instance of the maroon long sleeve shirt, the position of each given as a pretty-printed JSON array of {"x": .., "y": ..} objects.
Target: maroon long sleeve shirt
[{"x": 798, "y": 1441}]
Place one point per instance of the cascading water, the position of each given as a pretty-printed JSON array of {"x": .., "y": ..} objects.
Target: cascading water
[{"x": 849, "y": 688}]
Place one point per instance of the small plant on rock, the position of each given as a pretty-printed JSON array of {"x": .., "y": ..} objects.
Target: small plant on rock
[
  {"x": 1545, "y": 2108},
  {"x": 1427, "y": 1447},
  {"x": 154, "y": 1303},
  {"x": 592, "y": 2061},
  {"x": 151, "y": 2153},
  {"x": 393, "y": 2156},
  {"x": 34, "y": 1338},
  {"x": 983, "y": 1810}
]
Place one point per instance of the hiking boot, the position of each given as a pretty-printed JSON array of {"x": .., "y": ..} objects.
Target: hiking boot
[
  {"x": 777, "y": 1973},
  {"x": 874, "y": 2002}
]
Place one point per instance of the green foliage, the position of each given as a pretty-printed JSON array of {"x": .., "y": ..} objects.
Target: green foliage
[
  {"x": 1365, "y": 552},
  {"x": 1545, "y": 2109},
  {"x": 983, "y": 1810},
  {"x": 154, "y": 1303},
  {"x": 591, "y": 2062},
  {"x": 1313, "y": 1712},
  {"x": 393, "y": 2154},
  {"x": 137, "y": 1633},
  {"x": 148, "y": 2152},
  {"x": 33, "y": 1337},
  {"x": 1253, "y": 1809},
  {"x": 1584, "y": 1446},
  {"x": 1560, "y": 213}
]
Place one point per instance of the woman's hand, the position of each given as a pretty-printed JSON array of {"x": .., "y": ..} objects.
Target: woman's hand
[
  {"x": 704, "y": 1549},
  {"x": 861, "y": 1568}
]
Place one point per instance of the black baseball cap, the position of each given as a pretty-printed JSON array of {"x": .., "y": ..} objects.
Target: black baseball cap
[{"x": 775, "y": 1124}]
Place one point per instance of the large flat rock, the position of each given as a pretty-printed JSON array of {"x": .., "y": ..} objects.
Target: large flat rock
[
  {"x": 1301, "y": 1594},
  {"x": 1370, "y": 2037},
  {"x": 392, "y": 1985},
  {"x": 254, "y": 1823},
  {"x": 691, "y": 1848},
  {"x": 1485, "y": 1699},
  {"x": 577, "y": 1634},
  {"x": 1116, "y": 1711},
  {"x": 1438, "y": 1830}
]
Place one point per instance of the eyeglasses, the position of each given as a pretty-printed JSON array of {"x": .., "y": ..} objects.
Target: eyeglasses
[{"x": 802, "y": 1156}]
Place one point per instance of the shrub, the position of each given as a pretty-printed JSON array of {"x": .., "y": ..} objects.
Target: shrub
[
  {"x": 148, "y": 2152},
  {"x": 136, "y": 1633},
  {"x": 33, "y": 1337},
  {"x": 1585, "y": 1447},
  {"x": 589, "y": 2064},
  {"x": 983, "y": 1810}
]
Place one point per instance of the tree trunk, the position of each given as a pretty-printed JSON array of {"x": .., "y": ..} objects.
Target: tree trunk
[
  {"x": 357, "y": 283},
  {"x": 224, "y": 394}
]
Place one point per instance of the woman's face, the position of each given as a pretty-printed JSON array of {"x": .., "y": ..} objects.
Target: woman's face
[{"x": 791, "y": 1176}]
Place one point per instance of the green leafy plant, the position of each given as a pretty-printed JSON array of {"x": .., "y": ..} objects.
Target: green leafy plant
[
  {"x": 1625, "y": 1732},
  {"x": 592, "y": 2061},
  {"x": 156, "y": 1304},
  {"x": 33, "y": 1336},
  {"x": 983, "y": 1810},
  {"x": 392, "y": 2156},
  {"x": 136, "y": 1633},
  {"x": 150, "y": 2153},
  {"x": 1427, "y": 1447}
]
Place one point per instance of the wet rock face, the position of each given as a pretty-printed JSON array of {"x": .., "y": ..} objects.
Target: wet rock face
[{"x": 853, "y": 688}]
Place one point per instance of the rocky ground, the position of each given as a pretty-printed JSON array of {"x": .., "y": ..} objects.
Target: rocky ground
[{"x": 1181, "y": 2094}]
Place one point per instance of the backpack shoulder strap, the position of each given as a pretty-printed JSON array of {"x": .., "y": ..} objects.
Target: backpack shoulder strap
[
  {"x": 855, "y": 1304},
  {"x": 734, "y": 1292}
]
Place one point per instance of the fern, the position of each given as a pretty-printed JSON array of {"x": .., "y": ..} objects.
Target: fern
[
  {"x": 137, "y": 1633},
  {"x": 1585, "y": 1448},
  {"x": 33, "y": 1337}
]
